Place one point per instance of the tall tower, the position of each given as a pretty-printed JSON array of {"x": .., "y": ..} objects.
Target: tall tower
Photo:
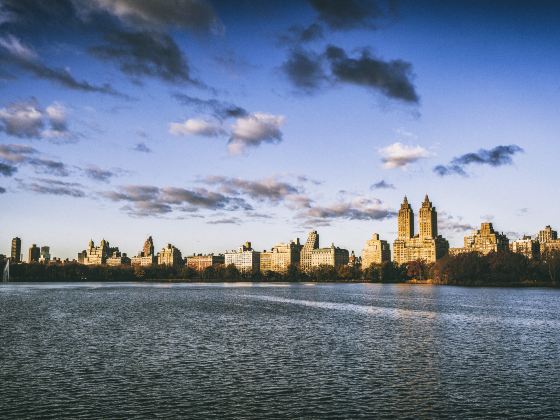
[
  {"x": 428, "y": 220},
  {"x": 307, "y": 250},
  {"x": 406, "y": 221},
  {"x": 16, "y": 250},
  {"x": 148, "y": 250}
]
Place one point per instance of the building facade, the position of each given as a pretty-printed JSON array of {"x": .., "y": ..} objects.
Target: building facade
[
  {"x": 283, "y": 255},
  {"x": 527, "y": 246},
  {"x": 96, "y": 255},
  {"x": 312, "y": 256},
  {"x": 427, "y": 245},
  {"x": 45, "y": 255},
  {"x": 200, "y": 262},
  {"x": 146, "y": 257},
  {"x": 245, "y": 259},
  {"x": 15, "y": 255},
  {"x": 376, "y": 251},
  {"x": 484, "y": 241},
  {"x": 548, "y": 240},
  {"x": 170, "y": 256},
  {"x": 34, "y": 254}
]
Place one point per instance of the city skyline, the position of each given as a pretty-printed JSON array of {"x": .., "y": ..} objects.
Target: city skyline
[
  {"x": 414, "y": 240},
  {"x": 229, "y": 122}
]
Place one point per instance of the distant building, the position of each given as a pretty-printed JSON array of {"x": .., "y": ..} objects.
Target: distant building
[
  {"x": 376, "y": 251},
  {"x": 245, "y": 259},
  {"x": 548, "y": 240},
  {"x": 527, "y": 246},
  {"x": 547, "y": 235},
  {"x": 170, "y": 256},
  {"x": 484, "y": 241},
  {"x": 427, "y": 245},
  {"x": 146, "y": 257},
  {"x": 312, "y": 256},
  {"x": 201, "y": 262},
  {"x": 15, "y": 256},
  {"x": 282, "y": 256},
  {"x": 97, "y": 255},
  {"x": 117, "y": 258},
  {"x": 311, "y": 244},
  {"x": 265, "y": 263},
  {"x": 34, "y": 254},
  {"x": 45, "y": 255}
]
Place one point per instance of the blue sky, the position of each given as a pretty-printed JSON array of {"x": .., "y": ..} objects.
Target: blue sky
[{"x": 206, "y": 123}]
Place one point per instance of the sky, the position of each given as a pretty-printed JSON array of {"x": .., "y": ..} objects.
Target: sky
[{"x": 206, "y": 124}]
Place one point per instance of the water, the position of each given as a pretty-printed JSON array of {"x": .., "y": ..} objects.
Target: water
[{"x": 242, "y": 350}]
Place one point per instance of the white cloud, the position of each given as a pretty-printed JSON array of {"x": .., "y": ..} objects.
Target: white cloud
[
  {"x": 22, "y": 119},
  {"x": 254, "y": 129},
  {"x": 16, "y": 48},
  {"x": 398, "y": 155},
  {"x": 194, "y": 126}
]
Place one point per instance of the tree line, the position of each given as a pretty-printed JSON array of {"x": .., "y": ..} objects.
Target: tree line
[{"x": 469, "y": 269}]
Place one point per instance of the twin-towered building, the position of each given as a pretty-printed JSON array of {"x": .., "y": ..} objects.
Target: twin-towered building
[{"x": 427, "y": 245}]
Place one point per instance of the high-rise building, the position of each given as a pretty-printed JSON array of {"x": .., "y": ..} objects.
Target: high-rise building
[
  {"x": 548, "y": 240},
  {"x": 547, "y": 235},
  {"x": 45, "y": 256},
  {"x": 376, "y": 251},
  {"x": 200, "y": 262},
  {"x": 97, "y": 255},
  {"x": 311, "y": 244},
  {"x": 15, "y": 255},
  {"x": 245, "y": 259},
  {"x": 427, "y": 245},
  {"x": 312, "y": 256},
  {"x": 146, "y": 257},
  {"x": 117, "y": 258},
  {"x": 526, "y": 246},
  {"x": 265, "y": 263},
  {"x": 148, "y": 247},
  {"x": 34, "y": 254},
  {"x": 170, "y": 256},
  {"x": 484, "y": 240},
  {"x": 282, "y": 256}
]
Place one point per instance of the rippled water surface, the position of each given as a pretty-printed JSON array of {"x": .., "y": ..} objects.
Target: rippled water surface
[{"x": 242, "y": 350}]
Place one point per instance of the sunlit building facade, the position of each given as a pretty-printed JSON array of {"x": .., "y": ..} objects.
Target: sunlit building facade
[{"x": 376, "y": 251}]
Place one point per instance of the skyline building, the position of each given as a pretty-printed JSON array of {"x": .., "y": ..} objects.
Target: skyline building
[
  {"x": 527, "y": 246},
  {"x": 245, "y": 259},
  {"x": 45, "y": 255},
  {"x": 312, "y": 256},
  {"x": 146, "y": 257},
  {"x": 376, "y": 251},
  {"x": 170, "y": 255},
  {"x": 484, "y": 240},
  {"x": 34, "y": 254},
  {"x": 427, "y": 245},
  {"x": 200, "y": 262},
  {"x": 548, "y": 240},
  {"x": 15, "y": 255}
]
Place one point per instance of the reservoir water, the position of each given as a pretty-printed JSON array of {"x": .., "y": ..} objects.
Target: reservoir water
[{"x": 150, "y": 350}]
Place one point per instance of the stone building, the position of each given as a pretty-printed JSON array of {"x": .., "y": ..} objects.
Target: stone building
[
  {"x": 146, "y": 257},
  {"x": 312, "y": 256},
  {"x": 427, "y": 245},
  {"x": 117, "y": 258},
  {"x": 527, "y": 246},
  {"x": 34, "y": 254},
  {"x": 281, "y": 256},
  {"x": 376, "y": 251},
  {"x": 201, "y": 262},
  {"x": 548, "y": 240},
  {"x": 96, "y": 255},
  {"x": 170, "y": 256},
  {"x": 265, "y": 261},
  {"x": 245, "y": 259},
  {"x": 485, "y": 240}
]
